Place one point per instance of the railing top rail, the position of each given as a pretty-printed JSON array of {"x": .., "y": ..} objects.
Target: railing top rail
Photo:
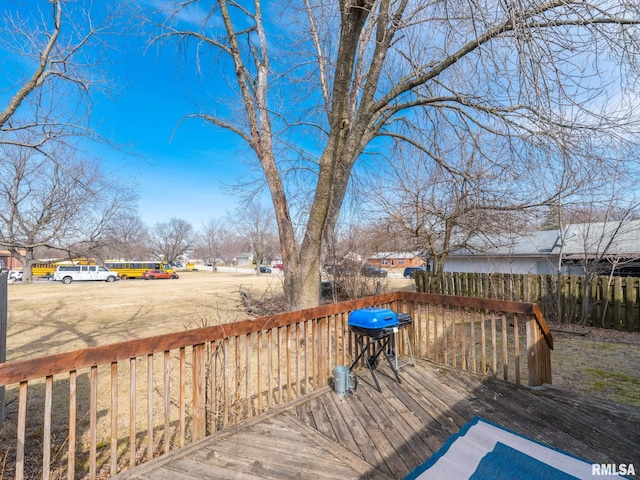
[{"x": 22, "y": 370}]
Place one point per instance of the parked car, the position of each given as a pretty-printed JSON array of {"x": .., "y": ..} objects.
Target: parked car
[
  {"x": 338, "y": 271},
  {"x": 154, "y": 274},
  {"x": 329, "y": 289},
  {"x": 16, "y": 275},
  {"x": 69, "y": 273},
  {"x": 372, "y": 271},
  {"x": 264, "y": 269},
  {"x": 410, "y": 272}
]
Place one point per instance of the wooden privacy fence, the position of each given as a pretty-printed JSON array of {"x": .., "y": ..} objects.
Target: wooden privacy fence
[
  {"x": 609, "y": 302},
  {"x": 94, "y": 412}
]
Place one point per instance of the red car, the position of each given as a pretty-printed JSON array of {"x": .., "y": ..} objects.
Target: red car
[{"x": 153, "y": 274}]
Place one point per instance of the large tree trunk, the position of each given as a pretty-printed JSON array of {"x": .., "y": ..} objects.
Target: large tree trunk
[
  {"x": 302, "y": 270},
  {"x": 303, "y": 265},
  {"x": 27, "y": 260}
]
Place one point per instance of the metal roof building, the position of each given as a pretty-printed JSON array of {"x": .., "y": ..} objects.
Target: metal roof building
[{"x": 609, "y": 244}]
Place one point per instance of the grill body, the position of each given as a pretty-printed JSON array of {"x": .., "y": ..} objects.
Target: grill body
[
  {"x": 404, "y": 319},
  {"x": 377, "y": 326}
]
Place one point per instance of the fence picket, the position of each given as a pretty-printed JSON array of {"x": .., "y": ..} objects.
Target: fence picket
[{"x": 613, "y": 302}]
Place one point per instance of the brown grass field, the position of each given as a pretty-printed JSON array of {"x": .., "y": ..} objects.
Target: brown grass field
[{"x": 50, "y": 317}]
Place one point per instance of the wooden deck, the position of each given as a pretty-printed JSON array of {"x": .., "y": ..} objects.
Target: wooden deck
[{"x": 386, "y": 435}]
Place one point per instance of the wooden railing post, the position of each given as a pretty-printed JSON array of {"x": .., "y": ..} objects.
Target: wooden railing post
[
  {"x": 4, "y": 301},
  {"x": 538, "y": 355},
  {"x": 322, "y": 341},
  {"x": 199, "y": 387}
]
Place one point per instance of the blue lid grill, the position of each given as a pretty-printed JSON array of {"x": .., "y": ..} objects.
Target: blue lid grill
[
  {"x": 376, "y": 333},
  {"x": 373, "y": 321}
]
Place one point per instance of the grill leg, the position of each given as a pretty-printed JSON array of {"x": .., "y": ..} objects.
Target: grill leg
[
  {"x": 391, "y": 359},
  {"x": 380, "y": 346},
  {"x": 369, "y": 361},
  {"x": 406, "y": 335}
]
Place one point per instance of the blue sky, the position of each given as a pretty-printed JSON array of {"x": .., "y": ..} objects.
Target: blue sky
[{"x": 180, "y": 171}]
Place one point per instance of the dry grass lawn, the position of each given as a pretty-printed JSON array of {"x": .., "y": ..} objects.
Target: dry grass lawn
[{"x": 49, "y": 317}]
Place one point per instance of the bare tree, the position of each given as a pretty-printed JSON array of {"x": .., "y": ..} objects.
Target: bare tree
[
  {"x": 42, "y": 205},
  {"x": 172, "y": 239},
  {"x": 596, "y": 234},
  {"x": 49, "y": 74},
  {"x": 436, "y": 210},
  {"x": 539, "y": 78},
  {"x": 127, "y": 237},
  {"x": 211, "y": 240},
  {"x": 51, "y": 70},
  {"x": 255, "y": 225},
  {"x": 601, "y": 192}
]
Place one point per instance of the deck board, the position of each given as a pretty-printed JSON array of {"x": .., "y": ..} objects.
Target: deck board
[
  {"x": 369, "y": 435},
  {"x": 344, "y": 435},
  {"x": 361, "y": 467},
  {"x": 389, "y": 441},
  {"x": 384, "y": 435},
  {"x": 320, "y": 417}
]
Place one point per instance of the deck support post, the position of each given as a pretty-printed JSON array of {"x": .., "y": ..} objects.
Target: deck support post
[{"x": 538, "y": 355}]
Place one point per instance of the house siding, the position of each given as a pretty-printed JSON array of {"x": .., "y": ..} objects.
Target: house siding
[
  {"x": 538, "y": 252},
  {"x": 517, "y": 265},
  {"x": 9, "y": 261},
  {"x": 395, "y": 260}
]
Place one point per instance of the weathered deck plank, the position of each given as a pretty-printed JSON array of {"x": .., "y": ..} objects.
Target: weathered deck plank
[
  {"x": 389, "y": 441},
  {"x": 385, "y": 435},
  {"x": 360, "y": 466},
  {"x": 366, "y": 445},
  {"x": 528, "y": 413}
]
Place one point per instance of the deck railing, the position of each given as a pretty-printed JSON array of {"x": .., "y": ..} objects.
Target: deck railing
[{"x": 94, "y": 412}]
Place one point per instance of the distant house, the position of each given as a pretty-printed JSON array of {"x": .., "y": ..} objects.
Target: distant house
[
  {"x": 9, "y": 261},
  {"x": 243, "y": 259},
  {"x": 543, "y": 252},
  {"x": 396, "y": 260}
]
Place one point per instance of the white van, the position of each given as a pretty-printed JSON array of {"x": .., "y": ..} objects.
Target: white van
[{"x": 69, "y": 273}]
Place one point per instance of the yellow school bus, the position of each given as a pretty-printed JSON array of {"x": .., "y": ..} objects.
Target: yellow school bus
[
  {"x": 43, "y": 269},
  {"x": 135, "y": 269},
  {"x": 48, "y": 268}
]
